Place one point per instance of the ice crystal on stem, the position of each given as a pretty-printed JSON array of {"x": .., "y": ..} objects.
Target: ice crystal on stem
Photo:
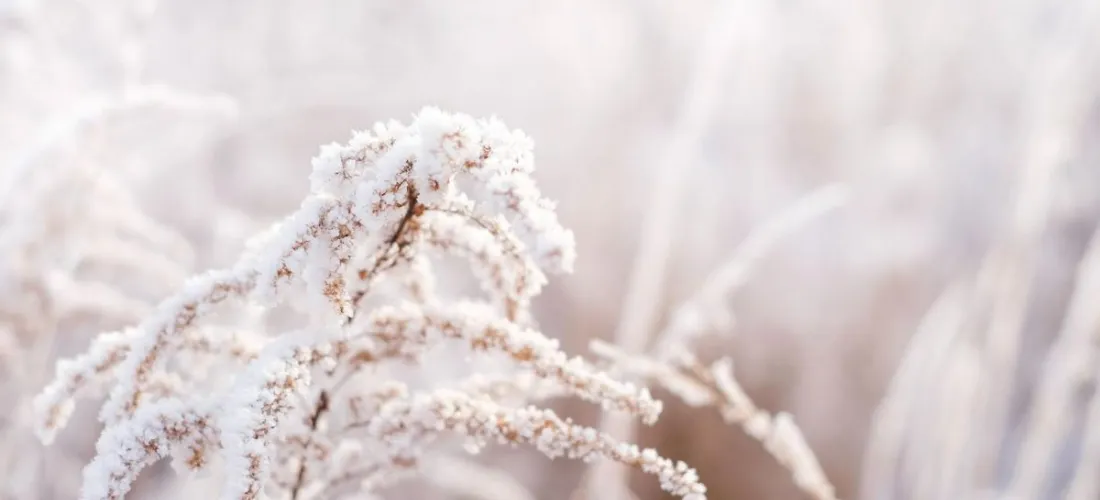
[{"x": 309, "y": 413}]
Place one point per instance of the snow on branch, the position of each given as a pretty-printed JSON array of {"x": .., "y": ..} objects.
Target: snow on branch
[{"x": 381, "y": 209}]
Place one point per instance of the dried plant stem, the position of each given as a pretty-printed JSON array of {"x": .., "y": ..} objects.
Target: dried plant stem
[
  {"x": 320, "y": 407},
  {"x": 1056, "y": 104},
  {"x": 706, "y": 309},
  {"x": 1085, "y": 484},
  {"x": 1069, "y": 370},
  {"x": 643, "y": 291},
  {"x": 899, "y": 411},
  {"x": 715, "y": 386}
]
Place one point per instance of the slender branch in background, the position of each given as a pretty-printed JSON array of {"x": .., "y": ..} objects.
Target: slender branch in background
[
  {"x": 1056, "y": 103},
  {"x": 899, "y": 412},
  {"x": 714, "y": 386},
  {"x": 1085, "y": 483},
  {"x": 643, "y": 291},
  {"x": 1069, "y": 370},
  {"x": 706, "y": 308}
]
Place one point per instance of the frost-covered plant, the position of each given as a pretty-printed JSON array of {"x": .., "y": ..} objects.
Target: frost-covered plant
[
  {"x": 65, "y": 215},
  {"x": 700, "y": 385},
  {"x": 71, "y": 233},
  {"x": 310, "y": 411},
  {"x": 671, "y": 365}
]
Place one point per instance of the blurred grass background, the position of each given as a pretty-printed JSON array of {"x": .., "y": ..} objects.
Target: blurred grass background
[{"x": 961, "y": 128}]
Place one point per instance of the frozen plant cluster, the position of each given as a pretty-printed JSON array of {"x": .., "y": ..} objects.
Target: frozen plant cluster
[
  {"x": 311, "y": 411},
  {"x": 73, "y": 233}
]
